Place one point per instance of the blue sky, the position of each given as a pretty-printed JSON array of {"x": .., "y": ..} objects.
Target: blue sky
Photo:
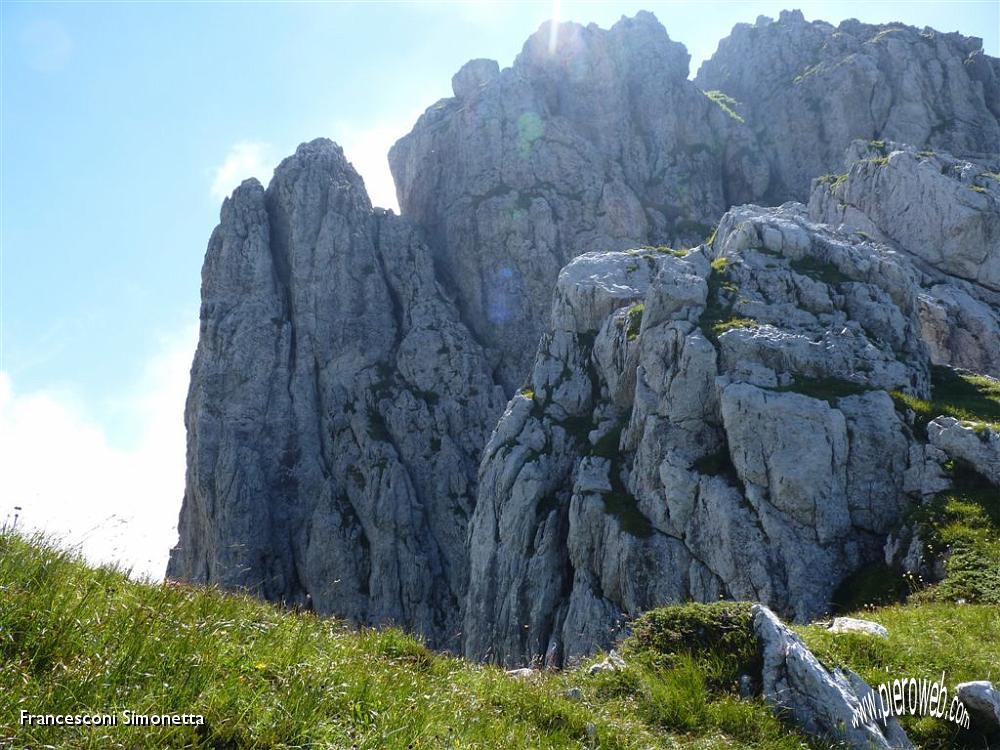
[{"x": 122, "y": 127}]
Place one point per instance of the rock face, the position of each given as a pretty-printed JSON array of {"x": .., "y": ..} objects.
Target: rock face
[
  {"x": 983, "y": 702},
  {"x": 713, "y": 425},
  {"x": 695, "y": 425},
  {"x": 820, "y": 702},
  {"x": 976, "y": 445},
  {"x": 593, "y": 140},
  {"x": 809, "y": 89},
  {"x": 945, "y": 214},
  {"x": 336, "y": 409}
]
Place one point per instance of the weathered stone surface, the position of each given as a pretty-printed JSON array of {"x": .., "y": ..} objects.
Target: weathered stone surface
[
  {"x": 976, "y": 445},
  {"x": 983, "y": 702},
  {"x": 807, "y": 89},
  {"x": 820, "y": 702},
  {"x": 854, "y": 625},
  {"x": 692, "y": 427},
  {"x": 598, "y": 143},
  {"x": 710, "y": 425},
  {"x": 336, "y": 409},
  {"x": 944, "y": 213}
]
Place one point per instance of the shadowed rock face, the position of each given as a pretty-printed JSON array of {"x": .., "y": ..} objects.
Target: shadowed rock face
[
  {"x": 808, "y": 89},
  {"x": 336, "y": 410},
  {"x": 593, "y": 140},
  {"x": 693, "y": 427}
]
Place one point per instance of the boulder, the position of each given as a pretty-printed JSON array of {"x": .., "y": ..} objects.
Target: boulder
[
  {"x": 975, "y": 444},
  {"x": 820, "y": 702},
  {"x": 854, "y": 625},
  {"x": 983, "y": 702}
]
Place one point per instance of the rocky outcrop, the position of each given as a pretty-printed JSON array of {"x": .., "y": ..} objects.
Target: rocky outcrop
[
  {"x": 592, "y": 140},
  {"x": 807, "y": 89},
  {"x": 983, "y": 702},
  {"x": 976, "y": 445},
  {"x": 822, "y": 703},
  {"x": 696, "y": 427},
  {"x": 695, "y": 424},
  {"x": 336, "y": 409},
  {"x": 854, "y": 625},
  {"x": 945, "y": 214}
]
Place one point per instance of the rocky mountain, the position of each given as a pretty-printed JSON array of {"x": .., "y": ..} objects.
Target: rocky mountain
[
  {"x": 592, "y": 140},
  {"x": 808, "y": 89},
  {"x": 687, "y": 417},
  {"x": 944, "y": 213},
  {"x": 337, "y": 407},
  {"x": 697, "y": 427}
]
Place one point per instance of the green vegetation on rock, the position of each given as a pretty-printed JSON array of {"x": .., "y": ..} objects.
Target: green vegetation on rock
[
  {"x": 819, "y": 270},
  {"x": 971, "y": 398},
  {"x": 726, "y": 103},
  {"x": 825, "y": 389}
]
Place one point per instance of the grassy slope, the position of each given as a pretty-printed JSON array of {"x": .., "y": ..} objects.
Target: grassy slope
[{"x": 74, "y": 639}]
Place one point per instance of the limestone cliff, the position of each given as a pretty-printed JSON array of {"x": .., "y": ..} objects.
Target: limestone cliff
[
  {"x": 712, "y": 425},
  {"x": 337, "y": 408},
  {"x": 679, "y": 423},
  {"x": 808, "y": 89}
]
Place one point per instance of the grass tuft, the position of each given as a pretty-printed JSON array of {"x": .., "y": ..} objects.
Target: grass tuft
[{"x": 971, "y": 398}]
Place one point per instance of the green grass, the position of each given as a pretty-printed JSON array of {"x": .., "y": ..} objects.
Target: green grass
[
  {"x": 825, "y": 389},
  {"x": 962, "y": 527},
  {"x": 667, "y": 250},
  {"x": 77, "y": 639},
  {"x": 833, "y": 180},
  {"x": 726, "y": 103},
  {"x": 971, "y": 398},
  {"x": 719, "y": 304},
  {"x": 632, "y": 322},
  {"x": 925, "y": 640}
]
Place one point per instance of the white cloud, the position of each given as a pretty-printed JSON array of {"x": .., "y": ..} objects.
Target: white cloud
[
  {"x": 245, "y": 159},
  {"x": 116, "y": 505}
]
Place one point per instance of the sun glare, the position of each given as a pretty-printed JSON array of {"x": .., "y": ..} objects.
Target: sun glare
[{"x": 554, "y": 25}]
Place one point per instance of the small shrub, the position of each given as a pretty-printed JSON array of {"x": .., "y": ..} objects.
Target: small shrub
[
  {"x": 633, "y": 321},
  {"x": 721, "y": 632}
]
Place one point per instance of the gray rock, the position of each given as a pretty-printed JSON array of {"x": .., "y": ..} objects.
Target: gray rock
[
  {"x": 612, "y": 663},
  {"x": 977, "y": 445},
  {"x": 983, "y": 702},
  {"x": 601, "y": 144},
  {"x": 336, "y": 408},
  {"x": 522, "y": 673},
  {"x": 807, "y": 89},
  {"x": 473, "y": 76},
  {"x": 820, "y": 702},
  {"x": 944, "y": 214},
  {"x": 854, "y": 625},
  {"x": 676, "y": 420},
  {"x": 672, "y": 441}
]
